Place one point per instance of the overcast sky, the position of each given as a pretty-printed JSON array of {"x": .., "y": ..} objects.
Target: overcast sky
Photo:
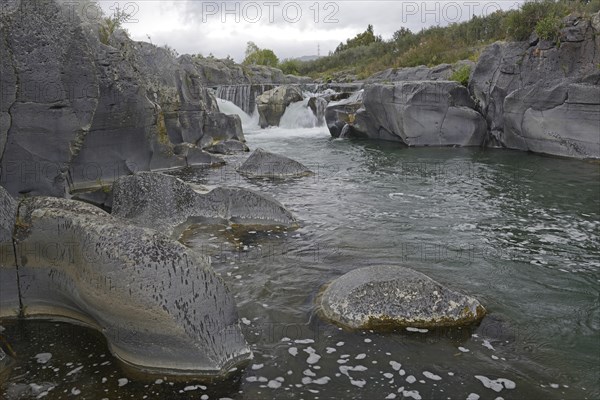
[{"x": 290, "y": 28}]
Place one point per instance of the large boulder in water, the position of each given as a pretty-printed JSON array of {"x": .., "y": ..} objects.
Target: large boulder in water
[
  {"x": 262, "y": 164},
  {"x": 392, "y": 296},
  {"x": 421, "y": 113},
  {"x": 561, "y": 119},
  {"x": 168, "y": 204},
  {"x": 272, "y": 104},
  {"x": 160, "y": 305}
]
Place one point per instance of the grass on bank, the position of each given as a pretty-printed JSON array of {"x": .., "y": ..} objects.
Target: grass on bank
[{"x": 367, "y": 54}]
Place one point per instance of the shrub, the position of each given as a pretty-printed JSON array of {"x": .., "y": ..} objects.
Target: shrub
[
  {"x": 461, "y": 75},
  {"x": 548, "y": 28}
]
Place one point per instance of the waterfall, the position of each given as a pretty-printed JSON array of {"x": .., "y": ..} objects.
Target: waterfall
[
  {"x": 248, "y": 122},
  {"x": 243, "y": 96},
  {"x": 298, "y": 115}
]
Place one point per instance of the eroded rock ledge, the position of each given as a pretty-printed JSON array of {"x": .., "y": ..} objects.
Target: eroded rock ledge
[
  {"x": 385, "y": 297},
  {"x": 159, "y": 304}
]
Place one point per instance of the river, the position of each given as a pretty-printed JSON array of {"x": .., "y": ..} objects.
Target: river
[{"x": 518, "y": 231}]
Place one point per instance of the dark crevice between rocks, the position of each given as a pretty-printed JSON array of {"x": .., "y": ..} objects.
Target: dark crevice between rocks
[{"x": 15, "y": 253}]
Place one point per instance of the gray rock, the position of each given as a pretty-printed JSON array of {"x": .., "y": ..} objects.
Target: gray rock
[
  {"x": 196, "y": 157},
  {"x": 160, "y": 306},
  {"x": 340, "y": 113},
  {"x": 8, "y": 215},
  {"x": 393, "y": 297},
  {"x": 262, "y": 164},
  {"x": 168, "y": 204},
  {"x": 441, "y": 72},
  {"x": 506, "y": 71},
  {"x": 228, "y": 147},
  {"x": 272, "y": 104},
  {"x": 562, "y": 120},
  {"x": 318, "y": 106},
  {"x": 420, "y": 113},
  {"x": 79, "y": 112}
]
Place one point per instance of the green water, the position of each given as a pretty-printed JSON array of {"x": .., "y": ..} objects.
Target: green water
[{"x": 518, "y": 231}]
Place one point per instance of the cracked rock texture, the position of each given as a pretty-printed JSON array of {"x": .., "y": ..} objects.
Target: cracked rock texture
[
  {"x": 263, "y": 164},
  {"x": 392, "y": 297},
  {"x": 77, "y": 112},
  {"x": 160, "y": 305},
  {"x": 542, "y": 96},
  {"x": 165, "y": 203},
  {"x": 416, "y": 113}
]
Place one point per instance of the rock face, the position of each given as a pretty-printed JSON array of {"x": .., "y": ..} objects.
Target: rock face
[
  {"x": 539, "y": 82},
  {"x": 560, "y": 120},
  {"x": 419, "y": 113},
  {"x": 440, "y": 72},
  {"x": 79, "y": 112},
  {"x": 228, "y": 147},
  {"x": 160, "y": 305},
  {"x": 343, "y": 112},
  {"x": 393, "y": 297},
  {"x": 165, "y": 203},
  {"x": 262, "y": 164},
  {"x": 272, "y": 104}
]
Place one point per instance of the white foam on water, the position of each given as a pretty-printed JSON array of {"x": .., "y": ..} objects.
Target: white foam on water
[
  {"x": 304, "y": 341},
  {"x": 411, "y": 379},
  {"x": 473, "y": 396},
  {"x": 257, "y": 366},
  {"x": 330, "y": 350},
  {"x": 322, "y": 381},
  {"x": 358, "y": 382},
  {"x": 486, "y": 343},
  {"x": 361, "y": 356},
  {"x": 123, "y": 381},
  {"x": 43, "y": 358},
  {"x": 388, "y": 375},
  {"x": 464, "y": 350},
  {"x": 293, "y": 351},
  {"x": 412, "y": 393},
  {"x": 432, "y": 376},
  {"x": 274, "y": 384},
  {"x": 395, "y": 365},
  {"x": 496, "y": 385}
]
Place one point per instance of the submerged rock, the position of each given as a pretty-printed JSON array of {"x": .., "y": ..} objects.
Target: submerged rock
[
  {"x": 228, "y": 147},
  {"x": 262, "y": 164},
  {"x": 272, "y": 104},
  {"x": 392, "y": 296},
  {"x": 161, "y": 307},
  {"x": 164, "y": 202}
]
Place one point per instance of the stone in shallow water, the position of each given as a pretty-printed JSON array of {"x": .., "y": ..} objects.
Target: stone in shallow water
[
  {"x": 161, "y": 307},
  {"x": 262, "y": 164},
  {"x": 164, "y": 202},
  {"x": 393, "y": 296}
]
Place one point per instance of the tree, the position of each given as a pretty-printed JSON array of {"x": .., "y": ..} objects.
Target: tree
[
  {"x": 362, "y": 39},
  {"x": 258, "y": 56}
]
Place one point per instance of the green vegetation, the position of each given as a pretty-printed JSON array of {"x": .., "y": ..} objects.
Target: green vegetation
[
  {"x": 257, "y": 56},
  {"x": 367, "y": 53},
  {"x": 362, "y": 39},
  {"x": 461, "y": 75},
  {"x": 110, "y": 24}
]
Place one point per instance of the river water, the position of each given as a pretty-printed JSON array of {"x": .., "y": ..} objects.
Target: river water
[{"x": 518, "y": 231}]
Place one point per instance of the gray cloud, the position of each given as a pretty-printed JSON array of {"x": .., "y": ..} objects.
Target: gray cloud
[{"x": 290, "y": 28}]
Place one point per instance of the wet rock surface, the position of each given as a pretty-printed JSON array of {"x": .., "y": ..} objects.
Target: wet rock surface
[
  {"x": 272, "y": 104},
  {"x": 168, "y": 204},
  {"x": 385, "y": 297},
  {"x": 160, "y": 305},
  {"x": 262, "y": 164}
]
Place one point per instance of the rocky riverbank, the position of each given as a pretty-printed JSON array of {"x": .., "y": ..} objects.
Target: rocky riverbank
[{"x": 537, "y": 96}]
